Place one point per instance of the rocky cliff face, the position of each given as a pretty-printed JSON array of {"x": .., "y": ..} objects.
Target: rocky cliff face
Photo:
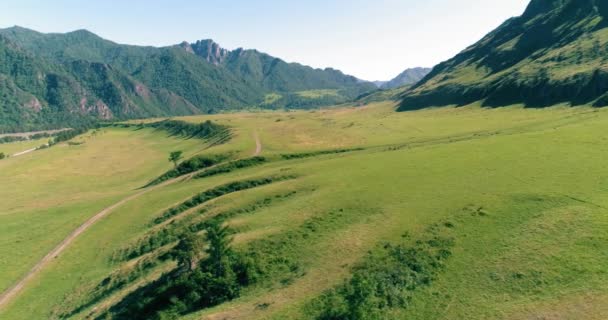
[{"x": 208, "y": 50}]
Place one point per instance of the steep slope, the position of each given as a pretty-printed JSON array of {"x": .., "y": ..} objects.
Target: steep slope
[
  {"x": 407, "y": 77},
  {"x": 556, "y": 52},
  {"x": 113, "y": 81}
]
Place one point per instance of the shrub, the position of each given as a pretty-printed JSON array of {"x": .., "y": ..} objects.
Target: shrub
[
  {"x": 386, "y": 279},
  {"x": 231, "y": 166}
]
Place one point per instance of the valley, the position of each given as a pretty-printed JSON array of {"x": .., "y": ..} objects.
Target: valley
[
  {"x": 405, "y": 172},
  {"x": 190, "y": 181}
]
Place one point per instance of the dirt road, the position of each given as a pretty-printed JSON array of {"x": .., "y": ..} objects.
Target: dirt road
[
  {"x": 258, "y": 144},
  {"x": 9, "y": 294}
]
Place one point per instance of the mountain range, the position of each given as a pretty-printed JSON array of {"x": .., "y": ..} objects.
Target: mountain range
[
  {"x": 556, "y": 52},
  {"x": 57, "y": 80},
  {"x": 408, "y": 77}
]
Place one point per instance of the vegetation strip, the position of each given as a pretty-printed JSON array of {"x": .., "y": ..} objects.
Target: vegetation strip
[
  {"x": 209, "y": 131},
  {"x": 231, "y": 166},
  {"x": 216, "y": 193},
  {"x": 292, "y": 156},
  {"x": 191, "y": 165}
]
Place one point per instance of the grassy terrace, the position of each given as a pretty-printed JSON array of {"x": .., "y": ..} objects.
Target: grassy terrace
[{"x": 522, "y": 194}]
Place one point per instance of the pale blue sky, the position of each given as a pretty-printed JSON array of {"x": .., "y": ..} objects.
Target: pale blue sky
[{"x": 371, "y": 39}]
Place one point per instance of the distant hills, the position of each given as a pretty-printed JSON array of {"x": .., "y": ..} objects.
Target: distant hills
[
  {"x": 556, "y": 52},
  {"x": 54, "y": 80},
  {"x": 408, "y": 77}
]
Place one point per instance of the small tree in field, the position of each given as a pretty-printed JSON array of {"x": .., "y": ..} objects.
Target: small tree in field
[
  {"x": 175, "y": 157},
  {"x": 2, "y": 155}
]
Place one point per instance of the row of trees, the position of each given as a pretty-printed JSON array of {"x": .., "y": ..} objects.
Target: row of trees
[{"x": 209, "y": 273}]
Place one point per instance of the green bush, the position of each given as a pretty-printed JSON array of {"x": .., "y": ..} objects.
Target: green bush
[{"x": 386, "y": 279}]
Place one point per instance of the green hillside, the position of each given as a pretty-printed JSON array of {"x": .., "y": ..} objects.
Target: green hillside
[
  {"x": 554, "y": 53},
  {"x": 78, "y": 75},
  {"x": 449, "y": 203}
]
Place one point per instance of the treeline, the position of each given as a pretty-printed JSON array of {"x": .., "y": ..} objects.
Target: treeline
[
  {"x": 208, "y": 130},
  {"x": 205, "y": 130},
  {"x": 231, "y": 166},
  {"x": 292, "y": 156},
  {"x": 36, "y": 136},
  {"x": 216, "y": 193},
  {"x": 67, "y": 135},
  {"x": 209, "y": 273},
  {"x": 191, "y": 165}
]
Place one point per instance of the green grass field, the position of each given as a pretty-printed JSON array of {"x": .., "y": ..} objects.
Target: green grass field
[{"x": 523, "y": 192}]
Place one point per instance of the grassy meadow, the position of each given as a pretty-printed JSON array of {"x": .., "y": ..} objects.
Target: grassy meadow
[{"x": 520, "y": 192}]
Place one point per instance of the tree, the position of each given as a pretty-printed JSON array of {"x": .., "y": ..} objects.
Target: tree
[
  {"x": 2, "y": 155},
  {"x": 188, "y": 251},
  {"x": 175, "y": 156},
  {"x": 218, "y": 238}
]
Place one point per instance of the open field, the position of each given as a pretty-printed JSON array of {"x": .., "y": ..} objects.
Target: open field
[
  {"x": 522, "y": 193},
  {"x": 20, "y": 146}
]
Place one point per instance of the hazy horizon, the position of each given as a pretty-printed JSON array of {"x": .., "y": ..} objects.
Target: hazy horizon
[{"x": 388, "y": 36}]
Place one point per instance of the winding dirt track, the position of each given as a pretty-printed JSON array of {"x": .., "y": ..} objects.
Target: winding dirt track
[
  {"x": 23, "y": 152},
  {"x": 13, "y": 291},
  {"x": 258, "y": 144}
]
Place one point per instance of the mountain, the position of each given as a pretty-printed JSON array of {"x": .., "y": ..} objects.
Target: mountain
[
  {"x": 556, "y": 52},
  {"x": 407, "y": 77},
  {"x": 57, "y": 80}
]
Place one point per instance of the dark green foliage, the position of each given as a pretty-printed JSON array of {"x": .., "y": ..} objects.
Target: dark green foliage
[
  {"x": 174, "y": 231},
  {"x": 9, "y": 139},
  {"x": 188, "y": 251},
  {"x": 218, "y": 250},
  {"x": 218, "y": 277},
  {"x": 386, "y": 279},
  {"x": 317, "y": 153},
  {"x": 66, "y": 135},
  {"x": 216, "y": 193},
  {"x": 205, "y": 130},
  {"x": 58, "y": 80},
  {"x": 231, "y": 166},
  {"x": 211, "y": 132},
  {"x": 191, "y": 165},
  {"x": 175, "y": 157},
  {"x": 2, "y": 155}
]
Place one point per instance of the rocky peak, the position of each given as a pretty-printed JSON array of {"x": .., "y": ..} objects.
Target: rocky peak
[{"x": 208, "y": 50}]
